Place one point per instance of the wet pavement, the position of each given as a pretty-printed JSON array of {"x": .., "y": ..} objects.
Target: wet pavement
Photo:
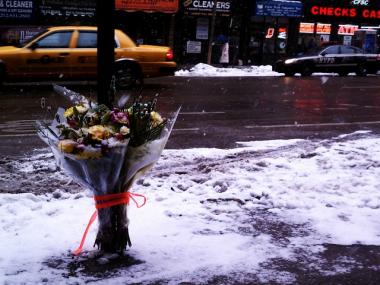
[{"x": 218, "y": 112}]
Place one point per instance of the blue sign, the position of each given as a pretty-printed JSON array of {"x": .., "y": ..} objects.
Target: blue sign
[
  {"x": 279, "y": 8},
  {"x": 16, "y": 9}
]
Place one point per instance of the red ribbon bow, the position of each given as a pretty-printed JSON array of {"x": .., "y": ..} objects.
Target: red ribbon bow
[{"x": 106, "y": 201}]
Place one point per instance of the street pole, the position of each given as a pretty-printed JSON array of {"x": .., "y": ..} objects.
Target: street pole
[
  {"x": 211, "y": 38},
  {"x": 105, "y": 11}
]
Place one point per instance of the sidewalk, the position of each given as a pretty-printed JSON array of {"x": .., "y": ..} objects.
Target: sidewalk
[{"x": 267, "y": 213}]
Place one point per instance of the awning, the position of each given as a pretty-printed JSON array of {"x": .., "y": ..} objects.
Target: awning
[
  {"x": 164, "y": 6},
  {"x": 278, "y": 8}
]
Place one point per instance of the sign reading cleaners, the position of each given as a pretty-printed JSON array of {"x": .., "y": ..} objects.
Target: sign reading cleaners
[
  {"x": 354, "y": 10},
  {"x": 16, "y": 9},
  {"x": 205, "y": 7}
]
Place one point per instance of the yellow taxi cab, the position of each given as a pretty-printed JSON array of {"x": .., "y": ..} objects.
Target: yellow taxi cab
[{"x": 70, "y": 52}]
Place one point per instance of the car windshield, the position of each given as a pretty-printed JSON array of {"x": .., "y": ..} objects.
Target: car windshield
[{"x": 27, "y": 41}]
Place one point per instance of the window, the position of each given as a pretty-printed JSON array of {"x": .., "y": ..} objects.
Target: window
[
  {"x": 331, "y": 50},
  {"x": 348, "y": 50},
  {"x": 55, "y": 40},
  {"x": 87, "y": 40}
]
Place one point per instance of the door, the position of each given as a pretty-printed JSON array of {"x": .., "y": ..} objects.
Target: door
[
  {"x": 329, "y": 59},
  {"x": 350, "y": 58},
  {"x": 49, "y": 56},
  {"x": 84, "y": 56}
]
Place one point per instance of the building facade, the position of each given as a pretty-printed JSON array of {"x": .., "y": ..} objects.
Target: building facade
[{"x": 258, "y": 31}]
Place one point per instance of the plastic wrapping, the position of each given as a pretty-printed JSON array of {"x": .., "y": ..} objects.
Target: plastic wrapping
[{"x": 106, "y": 172}]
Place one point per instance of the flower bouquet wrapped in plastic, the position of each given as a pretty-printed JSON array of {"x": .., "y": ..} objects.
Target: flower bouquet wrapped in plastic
[{"x": 106, "y": 150}]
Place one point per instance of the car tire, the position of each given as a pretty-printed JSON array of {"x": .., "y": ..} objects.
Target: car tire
[
  {"x": 361, "y": 70},
  {"x": 289, "y": 73},
  {"x": 307, "y": 70},
  {"x": 343, "y": 73},
  {"x": 127, "y": 76},
  {"x": 2, "y": 74}
]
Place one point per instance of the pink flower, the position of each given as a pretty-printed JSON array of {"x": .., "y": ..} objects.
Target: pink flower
[{"x": 119, "y": 117}]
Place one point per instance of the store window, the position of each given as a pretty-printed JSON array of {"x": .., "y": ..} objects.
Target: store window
[{"x": 265, "y": 46}]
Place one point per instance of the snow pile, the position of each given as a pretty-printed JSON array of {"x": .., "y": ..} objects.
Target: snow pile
[
  {"x": 210, "y": 212},
  {"x": 202, "y": 69}
]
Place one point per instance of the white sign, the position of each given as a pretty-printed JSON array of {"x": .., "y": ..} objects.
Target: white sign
[
  {"x": 325, "y": 38},
  {"x": 193, "y": 47},
  {"x": 347, "y": 40},
  {"x": 202, "y": 29}
]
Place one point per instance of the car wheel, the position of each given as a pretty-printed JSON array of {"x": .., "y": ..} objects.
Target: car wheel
[
  {"x": 361, "y": 70},
  {"x": 343, "y": 73},
  {"x": 306, "y": 70},
  {"x": 289, "y": 73},
  {"x": 127, "y": 76},
  {"x": 2, "y": 74}
]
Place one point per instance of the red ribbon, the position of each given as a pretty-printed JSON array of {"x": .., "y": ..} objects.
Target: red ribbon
[{"x": 106, "y": 201}]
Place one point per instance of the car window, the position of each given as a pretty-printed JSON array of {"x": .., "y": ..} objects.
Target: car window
[
  {"x": 55, "y": 40},
  {"x": 348, "y": 50},
  {"x": 90, "y": 40},
  {"x": 331, "y": 50},
  {"x": 87, "y": 40},
  {"x": 358, "y": 50}
]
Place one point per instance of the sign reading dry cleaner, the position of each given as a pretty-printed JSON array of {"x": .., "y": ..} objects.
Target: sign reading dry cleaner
[{"x": 17, "y": 9}]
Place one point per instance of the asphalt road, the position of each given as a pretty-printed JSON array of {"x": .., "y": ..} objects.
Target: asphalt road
[{"x": 217, "y": 112}]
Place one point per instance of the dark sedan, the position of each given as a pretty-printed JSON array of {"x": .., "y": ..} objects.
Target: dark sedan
[{"x": 341, "y": 59}]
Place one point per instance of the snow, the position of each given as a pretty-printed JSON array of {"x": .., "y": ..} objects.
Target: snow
[
  {"x": 204, "y": 70},
  {"x": 210, "y": 212}
]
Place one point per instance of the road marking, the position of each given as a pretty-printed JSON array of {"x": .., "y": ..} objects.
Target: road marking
[
  {"x": 361, "y": 87},
  {"x": 348, "y": 105},
  {"x": 337, "y": 109},
  {"x": 187, "y": 130},
  {"x": 312, "y": 125},
  {"x": 18, "y": 126},
  {"x": 18, "y": 135},
  {"x": 200, "y": 113}
]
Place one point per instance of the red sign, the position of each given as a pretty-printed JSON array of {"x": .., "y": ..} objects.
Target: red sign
[
  {"x": 341, "y": 12},
  {"x": 347, "y": 29},
  {"x": 307, "y": 28},
  {"x": 270, "y": 33},
  {"x": 323, "y": 29},
  {"x": 165, "y": 6}
]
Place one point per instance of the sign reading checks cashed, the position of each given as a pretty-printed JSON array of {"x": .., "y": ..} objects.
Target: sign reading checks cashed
[
  {"x": 17, "y": 9},
  {"x": 355, "y": 10}
]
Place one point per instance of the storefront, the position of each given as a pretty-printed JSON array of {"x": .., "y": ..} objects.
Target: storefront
[
  {"x": 272, "y": 30},
  {"x": 22, "y": 19},
  {"x": 339, "y": 21},
  {"x": 194, "y": 30},
  {"x": 147, "y": 22}
]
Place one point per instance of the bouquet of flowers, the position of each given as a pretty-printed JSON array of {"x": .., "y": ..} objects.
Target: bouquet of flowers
[{"x": 106, "y": 150}]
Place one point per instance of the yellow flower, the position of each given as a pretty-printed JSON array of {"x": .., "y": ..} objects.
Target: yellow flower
[
  {"x": 81, "y": 109},
  {"x": 67, "y": 146},
  {"x": 124, "y": 130},
  {"x": 70, "y": 111},
  {"x": 88, "y": 153},
  {"x": 156, "y": 118},
  {"x": 98, "y": 132}
]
